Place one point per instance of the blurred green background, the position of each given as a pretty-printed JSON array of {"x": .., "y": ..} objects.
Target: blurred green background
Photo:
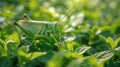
[{"x": 96, "y": 11}]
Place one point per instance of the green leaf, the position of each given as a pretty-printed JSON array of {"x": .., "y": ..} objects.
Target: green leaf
[
  {"x": 45, "y": 58},
  {"x": 7, "y": 62},
  {"x": 102, "y": 37},
  {"x": 2, "y": 49},
  {"x": 35, "y": 55},
  {"x": 56, "y": 60},
  {"x": 4, "y": 63},
  {"x": 22, "y": 51},
  {"x": 11, "y": 47},
  {"x": 92, "y": 61},
  {"x": 70, "y": 46},
  {"x": 75, "y": 63},
  {"x": 111, "y": 42},
  {"x": 117, "y": 41},
  {"x": 14, "y": 37},
  {"x": 2, "y": 43}
]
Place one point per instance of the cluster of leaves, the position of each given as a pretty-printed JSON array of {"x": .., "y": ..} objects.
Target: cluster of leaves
[
  {"x": 93, "y": 42},
  {"x": 50, "y": 51}
]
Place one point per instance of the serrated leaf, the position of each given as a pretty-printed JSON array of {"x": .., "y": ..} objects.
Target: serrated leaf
[{"x": 14, "y": 37}]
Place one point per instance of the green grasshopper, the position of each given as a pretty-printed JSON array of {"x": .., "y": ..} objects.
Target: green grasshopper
[
  {"x": 37, "y": 26},
  {"x": 34, "y": 27},
  {"x": 31, "y": 27},
  {"x": 49, "y": 32}
]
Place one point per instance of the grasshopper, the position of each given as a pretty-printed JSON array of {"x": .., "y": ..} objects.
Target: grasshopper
[
  {"x": 37, "y": 26},
  {"x": 40, "y": 27},
  {"x": 49, "y": 32}
]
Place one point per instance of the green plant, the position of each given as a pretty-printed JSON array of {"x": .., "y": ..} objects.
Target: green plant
[{"x": 87, "y": 35}]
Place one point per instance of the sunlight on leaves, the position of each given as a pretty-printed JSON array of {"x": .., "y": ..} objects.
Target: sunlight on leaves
[
  {"x": 14, "y": 37},
  {"x": 111, "y": 42}
]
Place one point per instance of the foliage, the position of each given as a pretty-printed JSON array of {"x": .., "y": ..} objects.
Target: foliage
[{"x": 86, "y": 33}]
